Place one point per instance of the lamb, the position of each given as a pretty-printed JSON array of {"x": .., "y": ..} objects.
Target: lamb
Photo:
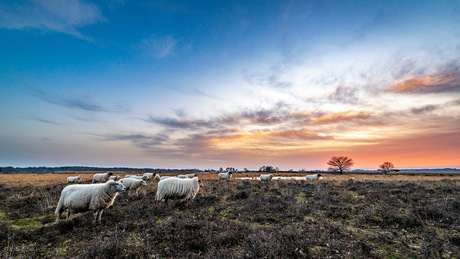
[
  {"x": 133, "y": 184},
  {"x": 191, "y": 175},
  {"x": 177, "y": 188},
  {"x": 152, "y": 176},
  {"x": 313, "y": 177},
  {"x": 182, "y": 176},
  {"x": 88, "y": 197},
  {"x": 139, "y": 177},
  {"x": 266, "y": 177},
  {"x": 73, "y": 179},
  {"x": 227, "y": 176},
  {"x": 101, "y": 177},
  {"x": 114, "y": 177}
]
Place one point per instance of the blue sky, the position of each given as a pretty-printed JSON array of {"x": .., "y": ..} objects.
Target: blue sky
[{"x": 205, "y": 84}]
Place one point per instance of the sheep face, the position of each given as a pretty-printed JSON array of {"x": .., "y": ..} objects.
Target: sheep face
[
  {"x": 319, "y": 175},
  {"x": 117, "y": 186},
  {"x": 110, "y": 173},
  {"x": 200, "y": 182},
  {"x": 144, "y": 183}
]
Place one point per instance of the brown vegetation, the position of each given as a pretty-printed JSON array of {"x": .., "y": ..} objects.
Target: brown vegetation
[{"x": 249, "y": 219}]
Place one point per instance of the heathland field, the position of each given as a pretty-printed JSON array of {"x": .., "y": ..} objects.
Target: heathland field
[{"x": 340, "y": 216}]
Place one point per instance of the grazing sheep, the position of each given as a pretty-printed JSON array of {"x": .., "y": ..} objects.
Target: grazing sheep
[
  {"x": 140, "y": 177},
  {"x": 182, "y": 176},
  {"x": 177, "y": 188},
  {"x": 132, "y": 184},
  {"x": 114, "y": 177},
  {"x": 227, "y": 176},
  {"x": 191, "y": 175},
  {"x": 313, "y": 177},
  {"x": 73, "y": 179},
  {"x": 102, "y": 177},
  {"x": 88, "y": 197},
  {"x": 152, "y": 176},
  {"x": 266, "y": 177}
]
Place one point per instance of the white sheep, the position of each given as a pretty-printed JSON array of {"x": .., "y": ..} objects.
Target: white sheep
[
  {"x": 226, "y": 176},
  {"x": 313, "y": 177},
  {"x": 164, "y": 177},
  {"x": 114, "y": 177},
  {"x": 73, "y": 179},
  {"x": 178, "y": 188},
  {"x": 182, "y": 176},
  {"x": 139, "y": 177},
  {"x": 266, "y": 177},
  {"x": 88, "y": 197},
  {"x": 191, "y": 175},
  {"x": 152, "y": 176},
  {"x": 101, "y": 177},
  {"x": 132, "y": 184}
]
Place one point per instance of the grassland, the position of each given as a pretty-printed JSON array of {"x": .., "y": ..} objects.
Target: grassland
[{"x": 337, "y": 217}]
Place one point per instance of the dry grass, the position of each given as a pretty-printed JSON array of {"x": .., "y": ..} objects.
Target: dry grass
[
  {"x": 243, "y": 219},
  {"x": 22, "y": 179}
]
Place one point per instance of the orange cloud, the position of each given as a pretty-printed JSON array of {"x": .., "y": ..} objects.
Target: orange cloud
[
  {"x": 340, "y": 116},
  {"x": 258, "y": 135},
  {"x": 421, "y": 82}
]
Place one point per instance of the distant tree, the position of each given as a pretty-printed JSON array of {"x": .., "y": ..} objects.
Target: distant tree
[
  {"x": 386, "y": 167},
  {"x": 340, "y": 163},
  {"x": 267, "y": 168},
  {"x": 246, "y": 170},
  {"x": 221, "y": 169}
]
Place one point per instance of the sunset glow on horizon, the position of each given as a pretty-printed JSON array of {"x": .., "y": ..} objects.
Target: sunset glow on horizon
[{"x": 186, "y": 84}]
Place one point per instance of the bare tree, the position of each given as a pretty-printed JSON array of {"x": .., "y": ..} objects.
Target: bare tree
[
  {"x": 386, "y": 167},
  {"x": 340, "y": 163}
]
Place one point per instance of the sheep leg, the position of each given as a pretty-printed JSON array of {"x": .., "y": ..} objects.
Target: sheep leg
[
  {"x": 100, "y": 216},
  {"x": 166, "y": 202},
  {"x": 95, "y": 217},
  {"x": 137, "y": 193},
  {"x": 67, "y": 215},
  {"x": 186, "y": 203},
  {"x": 57, "y": 218}
]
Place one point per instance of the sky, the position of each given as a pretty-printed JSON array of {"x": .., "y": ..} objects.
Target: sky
[{"x": 209, "y": 84}]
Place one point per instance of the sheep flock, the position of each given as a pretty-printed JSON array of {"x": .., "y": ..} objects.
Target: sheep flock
[{"x": 105, "y": 187}]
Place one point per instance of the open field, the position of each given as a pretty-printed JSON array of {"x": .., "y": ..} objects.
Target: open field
[
  {"x": 336, "y": 217},
  {"x": 54, "y": 178}
]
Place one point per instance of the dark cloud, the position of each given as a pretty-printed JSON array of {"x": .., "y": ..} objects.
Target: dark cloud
[
  {"x": 140, "y": 140},
  {"x": 182, "y": 123},
  {"x": 257, "y": 116},
  {"x": 453, "y": 103},
  {"x": 344, "y": 94},
  {"x": 424, "y": 109}
]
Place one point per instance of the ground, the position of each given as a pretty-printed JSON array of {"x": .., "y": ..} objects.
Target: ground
[{"x": 347, "y": 216}]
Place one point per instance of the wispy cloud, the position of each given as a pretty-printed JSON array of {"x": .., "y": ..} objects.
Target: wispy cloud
[
  {"x": 81, "y": 103},
  {"x": 181, "y": 123},
  {"x": 340, "y": 116},
  {"x": 439, "y": 82},
  {"x": 424, "y": 109},
  {"x": 139, "y": 140},
  {"x": 344, "y": 94},
  {"x": 159, "y": 47},
  {"x": 64, "y": 16},
  {"x": 46, "y": 121}
]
